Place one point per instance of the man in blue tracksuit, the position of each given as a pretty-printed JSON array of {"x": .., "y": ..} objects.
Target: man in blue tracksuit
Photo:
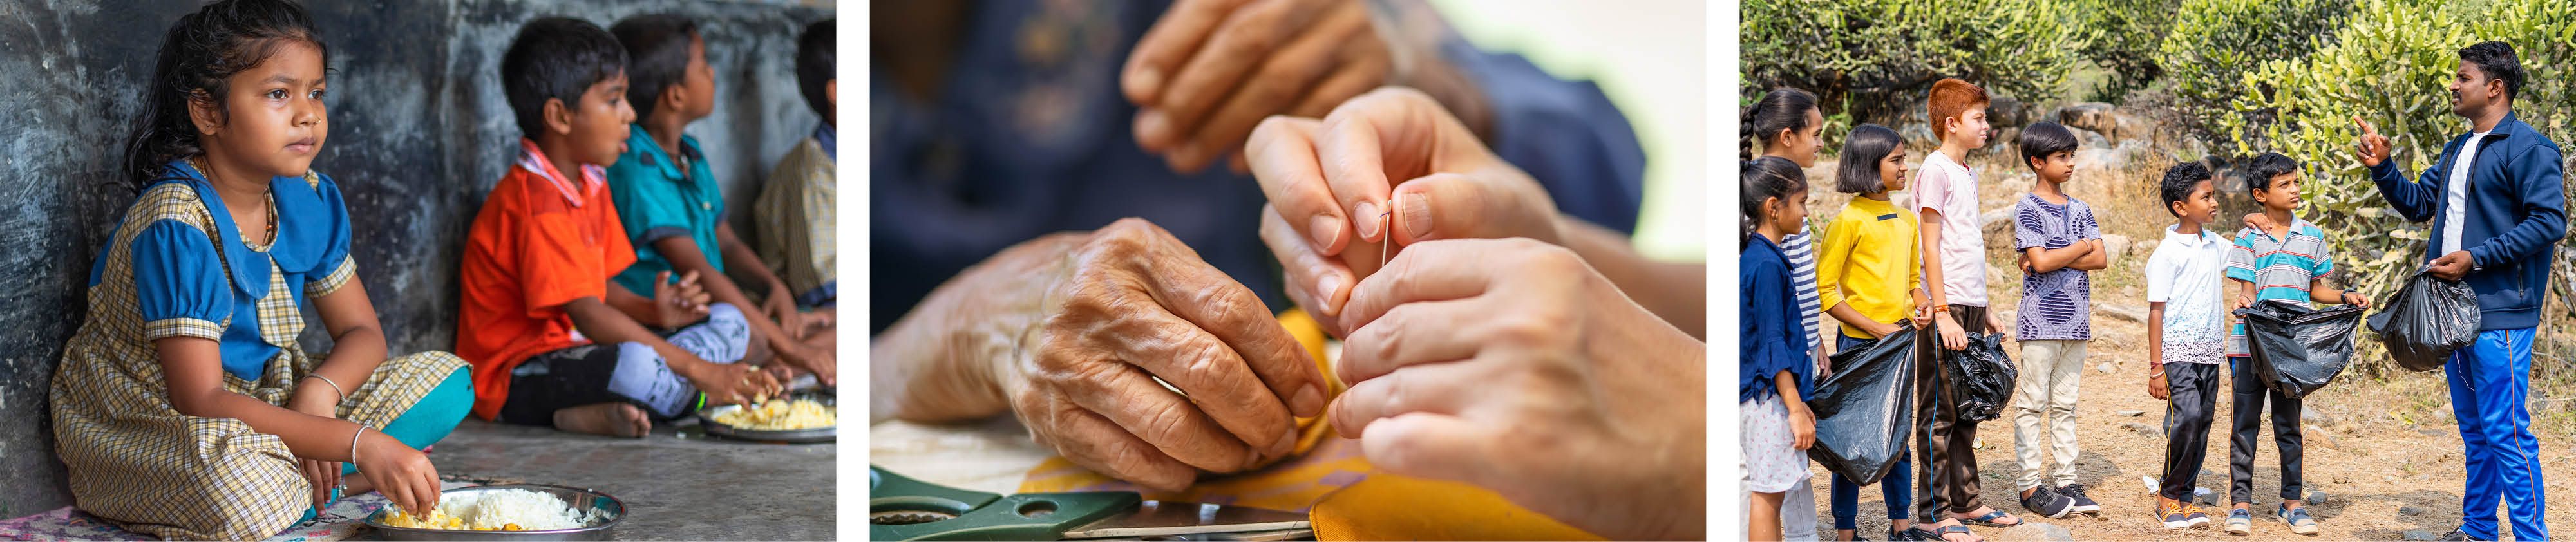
[{"x": 2493, "y": 196}]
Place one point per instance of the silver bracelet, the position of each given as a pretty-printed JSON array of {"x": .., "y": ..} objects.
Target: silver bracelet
[
  {"x": 353, "y": 441},
  {"x": 335, "y": 387}
]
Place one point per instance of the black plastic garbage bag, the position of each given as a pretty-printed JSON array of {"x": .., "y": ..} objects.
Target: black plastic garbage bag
[
  {"x": 2298, "y": 349},
  {"x": 2427, "y": 320},
  {"x": 1982, "y": 375},
  {"x": 1865, "y": 408}
]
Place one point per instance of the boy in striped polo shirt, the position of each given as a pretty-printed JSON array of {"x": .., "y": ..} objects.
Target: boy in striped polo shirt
[
  {"x": 2277, "y": 256},
  {"x": 2059, "y": 242}
]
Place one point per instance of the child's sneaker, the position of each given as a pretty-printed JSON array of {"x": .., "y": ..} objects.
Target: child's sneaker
[
  {"x": 2195, "y": 515},
  {"x": 2298, "y": 519},
  {"x": 2175, "y": 515},
  {"x": 2082, "y": 504},
  {"x": 2240, "y": 521},
  {"x": 2045, "y": 502}
]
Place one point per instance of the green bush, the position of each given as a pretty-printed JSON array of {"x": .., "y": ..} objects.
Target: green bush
[
  {"x": 1875, "y": 58},
  {"x": 2212, "y": 44},
  {"x": 2125, "y": 39},
  {"x": 2390, "y": 65}
]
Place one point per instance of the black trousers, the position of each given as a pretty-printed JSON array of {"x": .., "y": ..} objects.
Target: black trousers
[
  {"x": 2250, "y": 396},
  {"x": 2191, "y": 404},
  {"x": 1944, "y": 450}
]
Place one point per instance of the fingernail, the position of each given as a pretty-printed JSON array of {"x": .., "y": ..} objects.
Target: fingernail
[
  {"x": 1309, "y": 401},
  {"x": 1332, "y": 282},
  {"x": 1368, "y": 218},
  {"x": 1325, "y": 228},
  {"x": 1149, "y": 80},
  {"x": 1417, "y": 215},
  {"x": 1287, "y": 441},
  {"x": 1188, "y": 153},
  {"x": 1153, "y": 129}
]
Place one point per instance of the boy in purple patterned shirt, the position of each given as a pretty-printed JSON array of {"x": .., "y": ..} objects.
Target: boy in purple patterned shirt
[{"x": 2059, "y": 241}]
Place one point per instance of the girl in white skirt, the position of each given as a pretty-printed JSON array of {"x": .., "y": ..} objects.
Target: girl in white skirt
[{"x": 1777, "y": 368}]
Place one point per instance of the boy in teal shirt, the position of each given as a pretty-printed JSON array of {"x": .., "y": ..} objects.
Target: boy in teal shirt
[{"x": 670, "y": 203}]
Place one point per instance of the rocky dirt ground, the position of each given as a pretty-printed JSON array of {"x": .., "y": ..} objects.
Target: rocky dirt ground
[{"x": 2384, "y": 451}]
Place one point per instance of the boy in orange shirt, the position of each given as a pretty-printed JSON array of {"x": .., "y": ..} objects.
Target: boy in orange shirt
[{"x": 552, "y": 340}]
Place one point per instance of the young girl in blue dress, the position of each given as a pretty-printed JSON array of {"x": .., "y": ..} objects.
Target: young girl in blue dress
[
  {"x": 1778, "y": 369},
  {"x": 184, "y": 407}
]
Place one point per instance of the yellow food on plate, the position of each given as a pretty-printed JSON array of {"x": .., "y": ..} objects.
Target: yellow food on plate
[
  {"x": 781, "y": 415},
  {"x": 436, "y": 519}
]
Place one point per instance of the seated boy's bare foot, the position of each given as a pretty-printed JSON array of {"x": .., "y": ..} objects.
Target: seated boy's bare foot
[{"x": 612, "y": 419}]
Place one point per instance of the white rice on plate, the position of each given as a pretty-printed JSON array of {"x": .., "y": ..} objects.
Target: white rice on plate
[{"x": 500, "y": 510}]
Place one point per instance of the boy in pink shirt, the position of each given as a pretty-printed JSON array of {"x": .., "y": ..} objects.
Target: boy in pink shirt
[{"x": 1954, "y": 269}]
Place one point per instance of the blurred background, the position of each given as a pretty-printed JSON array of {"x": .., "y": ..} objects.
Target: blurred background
[{"x": 1651, "y": 58}]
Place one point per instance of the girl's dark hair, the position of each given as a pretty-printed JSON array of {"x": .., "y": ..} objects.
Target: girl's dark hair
[
  {"x": 2178, "y": 182},
  {"x": 1783, "y": 108},
  {"x": 199, "y": 56},
  {"x": 657, "y": 57},
  {"x": 1766, "y": 178},
  {"x": 1862, "y": 150},
  {"x": 2260, "y": 171}
]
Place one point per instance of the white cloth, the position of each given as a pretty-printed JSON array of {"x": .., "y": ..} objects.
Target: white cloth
[
  {"x": 2456, "y": 200},
  {"x": 1948, "y": 188},
  {"x": 1772, "y": 461},
  {"x": 1798, "y": 513},
  {"x": 2188, "y": 274}
]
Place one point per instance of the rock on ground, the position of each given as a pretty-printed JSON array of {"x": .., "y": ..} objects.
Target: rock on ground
[{"x": 2035, "y": 532}]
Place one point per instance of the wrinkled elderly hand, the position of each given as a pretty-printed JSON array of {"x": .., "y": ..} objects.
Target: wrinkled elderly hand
[
  {"x": 1513, "y": 365},
  {"x": 1072, "y": 331},
  {"x": 1209, "y": 69},
  {"x": 1388, "y": 166}
]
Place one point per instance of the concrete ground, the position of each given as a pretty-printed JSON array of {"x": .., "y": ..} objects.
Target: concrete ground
[{"x": 678, "y": 484}]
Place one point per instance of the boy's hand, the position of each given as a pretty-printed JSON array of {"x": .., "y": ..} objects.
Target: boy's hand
[
  {"x": 1952, "y": 338},
  {"x": 2238, "y": 302},
  {"x": 2258, "y": 222},
  {"x": 1922, "y": 316},
  {"x": 2156, "y": 382},
  {"x": 678, "y": 304},
  {"x": 781, "y": 309},
  {"x": 1994, "y": 326},
  {"x": 823, "y": 362},
  {"x": 2453, "y": 266},
  {"x": 732, "y": 383},
  {"x": 2355, "y": 299},
  {"x": 2371, "y": 148}
]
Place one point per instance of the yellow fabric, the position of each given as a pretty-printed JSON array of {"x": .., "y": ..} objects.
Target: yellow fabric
[
  {"x": 1390, "y": 507},
  {"x": 1870, "y": 261},
  {"x": 1333, "y": 482}
]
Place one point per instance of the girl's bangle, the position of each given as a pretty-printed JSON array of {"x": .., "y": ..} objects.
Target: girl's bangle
[
  {"x": 353, "y": 441},
  {"x": 1938, "y": 309},
  {"x": 335, "y": 387}
]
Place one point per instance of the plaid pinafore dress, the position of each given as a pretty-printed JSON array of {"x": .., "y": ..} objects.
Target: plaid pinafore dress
[{"x": 135, "y": 460}]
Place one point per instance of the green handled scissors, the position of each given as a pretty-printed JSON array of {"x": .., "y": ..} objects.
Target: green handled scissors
[{"x": 902, "y": 508}]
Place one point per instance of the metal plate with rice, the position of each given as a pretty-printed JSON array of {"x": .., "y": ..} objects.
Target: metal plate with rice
[
  {"x": 707, "y": 420},
  {"x": 583, "y": 501}
]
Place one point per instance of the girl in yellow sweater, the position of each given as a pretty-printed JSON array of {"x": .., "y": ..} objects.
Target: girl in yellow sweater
[{"x": 1867, "y": 279}]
